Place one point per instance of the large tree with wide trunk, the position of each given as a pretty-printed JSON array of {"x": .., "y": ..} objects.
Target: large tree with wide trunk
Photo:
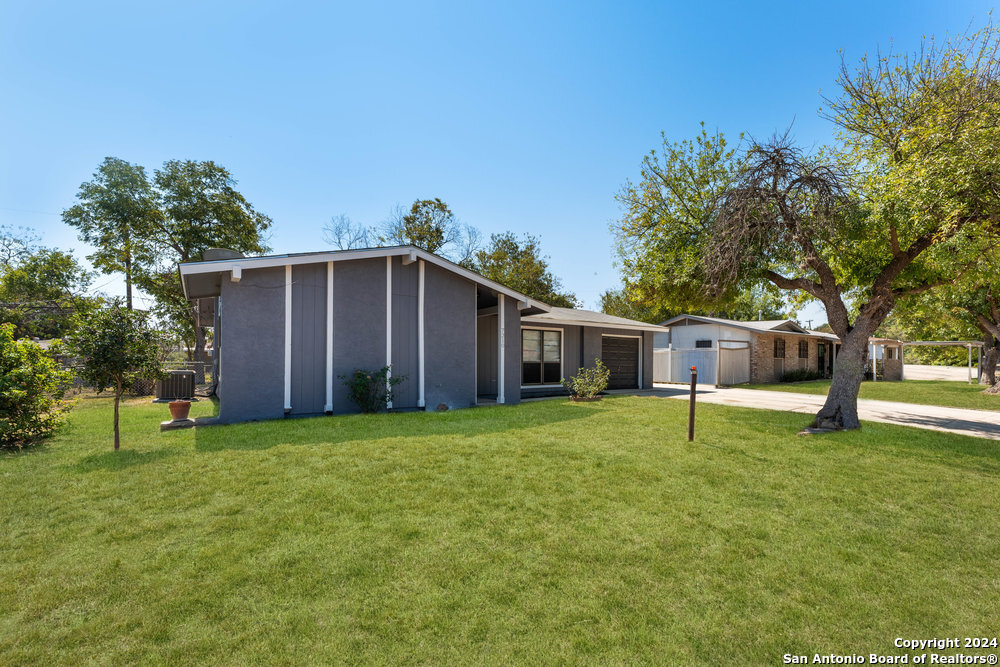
[
  {"x": 857, "y": 226},
  {"x": 115, "y": 214}
]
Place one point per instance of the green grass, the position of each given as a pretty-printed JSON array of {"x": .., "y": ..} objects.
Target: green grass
[
  {"x": 923, "y": 392},
  {"x": 548, "y": 532}
]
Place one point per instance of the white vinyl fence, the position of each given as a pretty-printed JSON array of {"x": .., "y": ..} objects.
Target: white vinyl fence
[{"x": 727, "y": 364}]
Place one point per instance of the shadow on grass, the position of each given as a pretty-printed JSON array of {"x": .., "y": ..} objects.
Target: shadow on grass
[
  {"x": 337, "y": 429},
  {"x": 121, "y": 459}
]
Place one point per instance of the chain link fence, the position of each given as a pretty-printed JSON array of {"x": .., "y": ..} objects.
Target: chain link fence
[{"x": 202, "y": 378}]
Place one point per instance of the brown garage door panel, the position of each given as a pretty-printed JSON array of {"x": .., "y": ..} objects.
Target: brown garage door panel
[{"x": 621, "y": 356}]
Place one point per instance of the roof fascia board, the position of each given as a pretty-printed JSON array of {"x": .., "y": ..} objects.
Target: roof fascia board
[
  {"x": 247, "y": 263},
  {"x": 583, "y": 323},
  {"x": 737, "y": 325}
]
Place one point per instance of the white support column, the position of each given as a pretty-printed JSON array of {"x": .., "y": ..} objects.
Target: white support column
[
  {"x": 873, "y": 349},
  {"x": 902, "y": 362},
  {"x": 288, "y": 338},
  {"x": 970, "y": 363},
  {"x": 388, "y": 322},
  {"x": 718, "y": 363},
  {"x": 329, "y": 337},
  {"x": 420, "y": 334},
  {"x": 500, "y": 346}
]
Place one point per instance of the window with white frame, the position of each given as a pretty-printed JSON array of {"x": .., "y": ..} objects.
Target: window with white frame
[{"x": 541, "y": 356}]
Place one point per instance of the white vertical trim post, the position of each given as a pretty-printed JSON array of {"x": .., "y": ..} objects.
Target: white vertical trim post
[
  {"x": 388, "y": 323},
  {"x": 420, "y": 334},
  {"x": 288, "y": 337},
  {"x": 902, "y": 362},
  {"x": 718, "y": 363},
  {"x": 500, "y": 346},
  {"x": 329, "y": 337},
  {"x": 970, "y": 363}
]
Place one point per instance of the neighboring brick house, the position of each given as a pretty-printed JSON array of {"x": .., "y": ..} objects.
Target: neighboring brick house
[
  {"x": 773, "y": 347},
  {"x": 757, "y": 351}
]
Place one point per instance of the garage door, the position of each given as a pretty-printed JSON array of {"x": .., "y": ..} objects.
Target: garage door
[{"x": 621, "y": 356}]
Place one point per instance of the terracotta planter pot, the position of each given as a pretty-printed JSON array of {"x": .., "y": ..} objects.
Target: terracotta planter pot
[
  {"x": 179, "y": 409},
  {"x": 584, "y": 399}
]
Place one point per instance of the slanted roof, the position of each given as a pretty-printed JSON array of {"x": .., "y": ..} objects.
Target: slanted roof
[
  {"x": 202, "y": 279},
  {"x": 580, "y": 317},
  {"x": 760, "y": 326}
]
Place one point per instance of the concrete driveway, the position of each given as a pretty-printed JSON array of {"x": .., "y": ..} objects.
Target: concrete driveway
[
  {"x": 955, "y": 373},
  {"x": 975, "y": 423}
]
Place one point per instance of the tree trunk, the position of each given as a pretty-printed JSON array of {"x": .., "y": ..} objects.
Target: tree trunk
[
  {"x": 991, "y": 355},
  {"x": 118, "y": 398},
  {"x": 841, "y": 408},
  {"x": 128, "y": 281}
]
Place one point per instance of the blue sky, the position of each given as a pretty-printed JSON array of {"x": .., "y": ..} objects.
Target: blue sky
[{"x": 521, "y": 116}]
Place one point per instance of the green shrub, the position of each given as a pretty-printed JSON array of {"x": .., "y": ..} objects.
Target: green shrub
[
  {"x": 588, "y": 382},
  {"x": 32, "y": 386},
  {"x": 371, "y": 390},
  {"x": 801, "y": 375}
]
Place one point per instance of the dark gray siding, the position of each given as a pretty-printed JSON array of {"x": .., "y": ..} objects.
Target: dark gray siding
[
  {"x": 358, "y": 322},
  {"x": 308, "y": 339},
  {"x": 486, "y": 371},
  {"x": 512, "y": 352},
  {"x": 573, "y": 358},
  {"x": 648, "y": 338},
  {"x": 405, "y": 283},
  {"x": 449, "y": 339},
  {"x": 252, "y": 349}
]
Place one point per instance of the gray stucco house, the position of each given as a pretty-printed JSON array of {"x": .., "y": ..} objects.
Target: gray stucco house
[{"x": 286, "y": 326}]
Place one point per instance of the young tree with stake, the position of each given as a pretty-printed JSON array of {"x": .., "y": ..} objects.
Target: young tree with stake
[{"x": 116, "y": 347}]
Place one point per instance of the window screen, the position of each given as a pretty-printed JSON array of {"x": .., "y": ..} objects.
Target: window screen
[
  {"x": 703, "y": 343},
  {"x": 779, "y": 348},
  {"x": 803, "y": 349}
]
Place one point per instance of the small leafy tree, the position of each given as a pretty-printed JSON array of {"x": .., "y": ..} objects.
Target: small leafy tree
[
  {"x": 588, "y": 382},
  {"x": 116, "y": 347},
  {"x": 32, "y": 386},
  {"x": 371, "y": 390}
]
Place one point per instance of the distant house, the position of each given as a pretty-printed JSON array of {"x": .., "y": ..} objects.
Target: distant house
[
  {"x": 736, "y": 352},
  {"x": 287, "y": 326}
]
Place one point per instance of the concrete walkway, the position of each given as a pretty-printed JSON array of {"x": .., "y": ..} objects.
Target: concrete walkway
[{"x": 975, "y": 423}]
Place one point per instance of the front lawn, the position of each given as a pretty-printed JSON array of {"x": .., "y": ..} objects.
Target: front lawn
[
  {"x": 924, "y": 392},
  {"x": 548, "y": 532}
]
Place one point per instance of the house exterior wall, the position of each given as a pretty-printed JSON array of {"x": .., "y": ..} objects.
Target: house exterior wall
[
  {"x": 765, "y": 368},
  {"x": 308, "y": 339},
  {"x": 359, "y": 303},
  {"x": 892, "y": 370},
  {"x": 685, "y": 337},
  {"x": 405, "y": 341},
  {"x": 512, "y": 352},
  {"x": 252, "y": 347},
  {"x": 449, "y": 339},
  {"x": 486, "y": 356},
  {"x": 582, "y": 345}
]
